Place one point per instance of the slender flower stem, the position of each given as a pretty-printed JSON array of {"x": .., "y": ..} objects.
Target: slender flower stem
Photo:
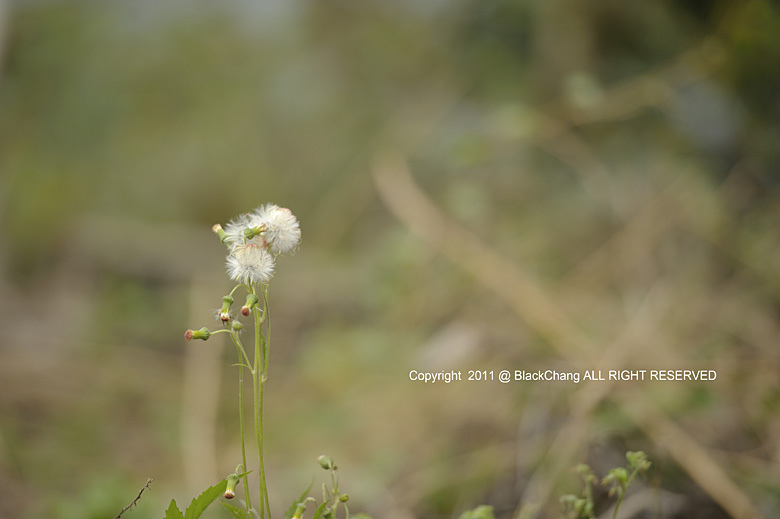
[
  {"x": 265, "y": 340},
  {"x": 259, "y": 373},
  {"x": 241, "y": 414}
]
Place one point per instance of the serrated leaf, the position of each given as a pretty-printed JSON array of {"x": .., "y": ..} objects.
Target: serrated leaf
[
  {"x": 291, "y": 511},
  {"x": 236, "y": 512},
  {"x": 200, "y": 503},
  {"x": 173, "y": 511}
]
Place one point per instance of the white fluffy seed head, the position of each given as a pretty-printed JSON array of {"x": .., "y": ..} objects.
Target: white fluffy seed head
[
  {"x": 250, "y": 264},
  {"x": 234, "y": 231},
  {"x": 282, "y": 230}
]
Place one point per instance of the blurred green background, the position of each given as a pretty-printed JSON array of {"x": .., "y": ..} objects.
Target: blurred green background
[{"x": 616, "y": 165}]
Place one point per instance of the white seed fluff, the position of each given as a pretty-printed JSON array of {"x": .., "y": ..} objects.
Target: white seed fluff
[
  {"x": 250, "y": 264},
  {"x": 282, "y": 230},
  {"x": 235, "y": 230}
]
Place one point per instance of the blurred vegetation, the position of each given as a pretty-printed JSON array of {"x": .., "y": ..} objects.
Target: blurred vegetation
[{"x": 624, "y": 157}]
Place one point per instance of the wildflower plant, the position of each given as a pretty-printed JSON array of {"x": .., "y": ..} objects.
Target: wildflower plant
[
  {"x": 254, "y": 241},
  {"x": 619, "y": 479}
]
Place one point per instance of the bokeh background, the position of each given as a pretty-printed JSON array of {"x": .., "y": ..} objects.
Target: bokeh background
[{"x": 481, "y": 184}]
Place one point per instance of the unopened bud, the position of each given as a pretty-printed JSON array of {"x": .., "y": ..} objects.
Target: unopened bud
[
  {"x": 251, "y": 302},
  {"x": 237, "y": 326},
  {"x": 251, "y": 232},
  {"x": 230, "y": 489},
  {"x": 344, "y": 498},
  {"x": 202, "y": 334},
  {"x": 326, "y": 462},
  {"x": 219, "y": 231}
]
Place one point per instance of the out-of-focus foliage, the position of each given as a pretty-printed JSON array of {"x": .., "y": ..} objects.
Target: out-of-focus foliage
[{"x": 624, "y": 156}]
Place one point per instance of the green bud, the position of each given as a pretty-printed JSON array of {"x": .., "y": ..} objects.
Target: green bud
[
  {"x": 344, "y": 498},
  {"x": 202, "y": 334},
  {"x": 219, "y": 231},
  {"x": 230, "y": 490},
  {"x": 327, "y": 513},
  {"x": 237, "y": 326},
  {"x": 251, "y": 302},
  {"x": 253, "y": 231},
  {"x": 638, "y": 460},
  {"x": 326, "y": 462}
]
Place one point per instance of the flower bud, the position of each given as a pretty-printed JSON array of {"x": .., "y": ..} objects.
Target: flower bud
[
  {"x": 237, "y": 326},
  {"x": 251, "y": 232},
  {"x": 230, "y": 490},
  {"x": 251, "y": 302},
  {"x": 219, "y": 231},
  {"x": 326, "y": 462},
  {"x": 202, "y": 334},
  {"x": 344, "y": 498}
]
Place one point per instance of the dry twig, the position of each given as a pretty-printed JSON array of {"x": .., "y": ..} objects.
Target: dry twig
[{"x": 137, "y": 498}]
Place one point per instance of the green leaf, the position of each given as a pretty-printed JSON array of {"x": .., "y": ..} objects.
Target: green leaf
[
  {"x": 200, "y": 503},
  {"x": 237, "y": 513},
  {"x": 480, "y": 512},
  {"x": 173, "y": 511},
  {"x": 291, "y": 511},
  {"x": 318, "y": 511}
]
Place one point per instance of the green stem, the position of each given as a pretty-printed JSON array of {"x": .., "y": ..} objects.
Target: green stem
[
  {"x": 622, "y": 494},
  {"x": 241, "y": 415},
  {"x": 259, "y": 376}
]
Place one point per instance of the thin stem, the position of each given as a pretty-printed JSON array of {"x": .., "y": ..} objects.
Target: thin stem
[
  {"x": 256, "y": 387},
  {"x": 622, "y": 493},
  {"x": 262, "y": 439},
  {"x": 243, "y": 362},
  {"x": 241, "y": 414},
  {"x": 266, "y": 348},
  {"x": 267, "y": 343},
  {"x": 258, "y": 379}
]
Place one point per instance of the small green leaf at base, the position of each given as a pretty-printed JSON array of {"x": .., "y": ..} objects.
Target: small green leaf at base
[
  {"x": 173, "y": 511},
  {"x": 200, "y": 503}
]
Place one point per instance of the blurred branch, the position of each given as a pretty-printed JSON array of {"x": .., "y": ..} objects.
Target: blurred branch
[
  {"x": 652, "y": 89},
  {"x": 413, "y": 208}
]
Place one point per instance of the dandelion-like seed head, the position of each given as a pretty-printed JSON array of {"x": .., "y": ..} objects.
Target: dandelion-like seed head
[
  {"x": 235, "y": 230},
  {"x": 250, "y": 264},
  {"x": 282, "y": 230}
]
